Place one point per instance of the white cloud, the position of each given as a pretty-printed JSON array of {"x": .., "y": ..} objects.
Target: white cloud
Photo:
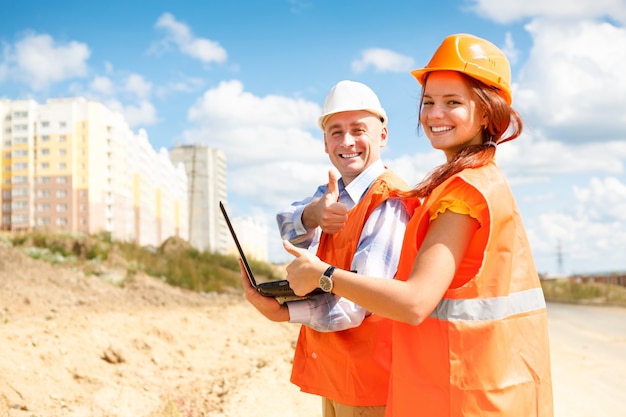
[
  {"x": 383, "y": 60},
  {"x": 267, "y": 141},
  {"x": 102, "y": 85},
  {"x": 509, "y": 11},
  {"x": 142, "y": 114},
  {"x": 509, "y": 49},
  {"x": 603, "y": 199},
  {"x": 39, "y": 61},
  {"x": 180, "y": 35},
  {"x": 572, "y": 84},
  {"x": 229, "y": 105},
  {"x": 138, "y": 86},
  {"x": 530, "y": 156},
  {"x": 591, "y": 236}
]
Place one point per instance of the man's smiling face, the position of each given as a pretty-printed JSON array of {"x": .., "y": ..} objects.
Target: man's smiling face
[{"x": 353, "y": 140}]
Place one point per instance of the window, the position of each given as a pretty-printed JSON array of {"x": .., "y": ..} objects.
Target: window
[
  {"x": 20, "y": 140},
  {"x": 83, "y": 207},
  {"x": 20, "y": 128},
  {"x": 19, "y": 205},
  {"x": 19, "y": 218},
  {"x": 43, "y": 206},
  {"x": 20, "y": 165},
  {"x": 6, "y": 206},
  {"x": 61, "y": 193},
  {"x": 20, "y": 179},
  {"x": 62, "y": 165},
  {"x": 62, "y": 124},
  {"x": 45, "y": 165},
  {"x": 45, "y": 138},
  {"x": 61, "y": 207},
  {"x": 45, "y": 151},
  {"x": 43, "y": 180},
  {"x": 61, "y": 221},
  {"x": 62, "y": 152},
  {"x": 62, "y": 138},
  {"x": 19, "y": 153},
  {"x": 6, "y": 193},
  {"x": 18, "y": 114},
  {"x": 43, "y": 221},
  {"x": 45, "y": 124},
  {"x": 43, "y": 193},
  {"x": 19, "y": 192},
  {"x": 61, "y": 180}
]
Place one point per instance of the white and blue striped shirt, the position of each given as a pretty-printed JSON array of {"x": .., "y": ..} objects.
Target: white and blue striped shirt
[{"x": 377, "y": 252}]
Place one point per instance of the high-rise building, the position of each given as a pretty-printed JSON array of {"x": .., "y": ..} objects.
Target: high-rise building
[
  {"x": 74, "y": 165},
  {"x": 206, "y": 174}
]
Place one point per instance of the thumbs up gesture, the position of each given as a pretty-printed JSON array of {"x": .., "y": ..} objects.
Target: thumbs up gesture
[{"x": 326, "y": 212}]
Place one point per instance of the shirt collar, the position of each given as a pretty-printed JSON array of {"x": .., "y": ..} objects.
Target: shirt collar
[{"x": 360, "y": 184}]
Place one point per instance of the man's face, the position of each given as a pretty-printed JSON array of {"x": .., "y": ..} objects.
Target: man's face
[{"x": 353, "y": 140}]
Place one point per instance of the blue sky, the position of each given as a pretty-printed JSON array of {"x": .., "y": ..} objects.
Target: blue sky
[{"x": 249, "y": 77}]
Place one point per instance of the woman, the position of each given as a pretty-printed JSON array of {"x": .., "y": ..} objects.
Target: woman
[{"x": 470, "y": 336}]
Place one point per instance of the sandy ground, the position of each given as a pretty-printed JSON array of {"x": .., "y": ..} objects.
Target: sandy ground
[{"x": 77, "y": 345}]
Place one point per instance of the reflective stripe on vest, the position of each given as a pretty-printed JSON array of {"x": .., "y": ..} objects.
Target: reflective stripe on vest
[{"x": 496, "y": 308}]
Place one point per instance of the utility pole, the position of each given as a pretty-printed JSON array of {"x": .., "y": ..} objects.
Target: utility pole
[{"x": 559, "y": 257}]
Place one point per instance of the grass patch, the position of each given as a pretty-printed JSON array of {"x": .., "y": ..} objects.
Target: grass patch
[
  {"x": 175, "y": 261},
  {"x": 589, "y": 293}
]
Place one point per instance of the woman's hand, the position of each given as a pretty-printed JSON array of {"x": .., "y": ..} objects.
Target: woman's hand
[{"x": 304, "y": 272}]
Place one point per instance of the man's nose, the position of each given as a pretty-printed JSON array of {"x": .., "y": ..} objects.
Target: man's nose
[{"x": 347, "y": 139}]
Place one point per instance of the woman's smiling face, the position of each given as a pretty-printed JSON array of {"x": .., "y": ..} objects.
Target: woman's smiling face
[{"x": 450, "y": 116}]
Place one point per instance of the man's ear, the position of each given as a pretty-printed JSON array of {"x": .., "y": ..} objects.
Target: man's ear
[{"x": 383, "y": 137}]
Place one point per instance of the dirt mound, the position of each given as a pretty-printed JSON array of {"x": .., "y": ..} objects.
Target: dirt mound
[
  {"x": 85, "y": 345},
  {"x": 174, "y": 245}
]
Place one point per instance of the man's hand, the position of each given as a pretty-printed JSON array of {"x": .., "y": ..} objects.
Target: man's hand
[
  {"x": 268, "y": 306},
  {"x": 326, "y": 212}
]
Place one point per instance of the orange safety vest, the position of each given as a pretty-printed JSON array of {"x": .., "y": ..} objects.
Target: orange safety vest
[
  {"x": 484, "y": 349},
  {"x": 350, "y": 366}
]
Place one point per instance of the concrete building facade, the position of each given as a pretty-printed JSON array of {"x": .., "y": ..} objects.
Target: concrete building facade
[
  {"x": 206, "y": 174},
  {"x": 74, "y": 165}
]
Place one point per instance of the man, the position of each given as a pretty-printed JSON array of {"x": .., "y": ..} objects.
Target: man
[{"x": 356, "y": 222}]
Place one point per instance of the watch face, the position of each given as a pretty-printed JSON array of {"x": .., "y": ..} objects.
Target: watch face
[{"x": 326, "y": 283}]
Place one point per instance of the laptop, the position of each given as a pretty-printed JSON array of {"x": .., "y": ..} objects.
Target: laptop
[{"x": 278, "y": 289}]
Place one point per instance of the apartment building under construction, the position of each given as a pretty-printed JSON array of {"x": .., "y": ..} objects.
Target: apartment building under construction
[{"x": 74, "y": 165}]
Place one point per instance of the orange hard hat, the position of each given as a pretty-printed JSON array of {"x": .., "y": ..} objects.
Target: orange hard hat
[{"x": 473, "y": 56}]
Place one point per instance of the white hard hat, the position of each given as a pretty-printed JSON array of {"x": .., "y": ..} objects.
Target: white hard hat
[{"x": 350, "y": 96}]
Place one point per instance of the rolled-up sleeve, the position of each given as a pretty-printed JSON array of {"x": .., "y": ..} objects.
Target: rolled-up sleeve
[
  {"x": 377, "y": 255},
  {"x": 290, "y": 222}
]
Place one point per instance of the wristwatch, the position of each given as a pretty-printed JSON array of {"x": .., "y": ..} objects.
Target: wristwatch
[{"x": 326, "y": 280}]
